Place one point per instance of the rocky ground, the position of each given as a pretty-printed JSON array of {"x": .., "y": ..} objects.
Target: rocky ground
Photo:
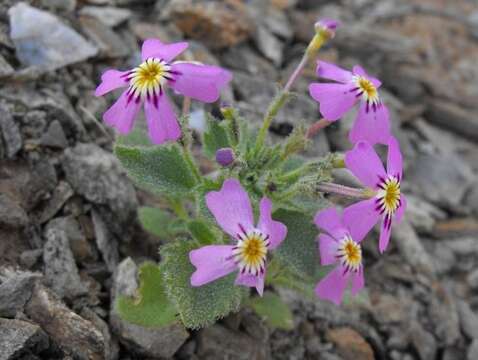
[{"x": 69, "y": 241}]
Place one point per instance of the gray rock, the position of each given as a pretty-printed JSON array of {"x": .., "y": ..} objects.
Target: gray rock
[
  {"x": 471, "y": 198},
  {"x": 245, "y": 59},
  {"x": 217, "y": 342},
  {"x": 98, "y": 176},
  {"x": 108, "y": 15},
  {"x": 472, "y": 353},
  {"x": 74, "y": 335},
  {"x": 19, "y": 339},
  {"x": 15, "y": 290},
  {"x": 42, "y": 180},
  {"x": 109, "y": 44},
  {"x": 468, "y": 320},
  {"x": 59, "y": 5},
  {"x": 111, "y": 343},
  {"x": 29, "y": 258},
  {"x": 42, "y": 40},
  {"x": 55, "y": 136},
  {"x": 434, "y": 175},
  {"x": 5, "y": 68},
  {"x": 268, "y": 45},
  {"x": 106, "y": 242},
  {"x": 423, "y": 342},
  {"x": 154, "y": 342},
  {"x": 59, "y": 197},
  {"x": 422, "y": 215},
  {"x": 472, "y": 279},
  {"x": 61, "y": 272},
  {"x": 412, "y": 250},
  {"x": 10, "y": 133},
  {"x": 11, "y": 213},
  {"x": 443, "y": 309}
]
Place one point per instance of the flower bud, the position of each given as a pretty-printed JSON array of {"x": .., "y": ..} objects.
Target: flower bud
[
  {"x": 227, "y": 110},
  {"x": 225, "y": 156},
  {"x": 325, "y": 28}
]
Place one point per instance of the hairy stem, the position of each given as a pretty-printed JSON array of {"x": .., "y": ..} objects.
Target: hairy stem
[
  {"x": 343, "y": 190},
  {"x": 316, "y": 127}
]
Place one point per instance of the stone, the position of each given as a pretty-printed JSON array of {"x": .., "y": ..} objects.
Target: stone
[
  {"x": 108, "y": 15},
  {"x": 217, "y": 342},
  {"x": 422, "y": 215},
  {"x": 15, "y": 290},
  {"x": 423, "y": 342},
  {"x": 42, "y": 181},
  {"x": 441, "y": 179},
  {"x": 97, "y": 175},
  {"x": 244, "y": 58},
  {"x": 9, "y": 132},
  {"x": 455, "y": 227},
  {"x": 54, "y": 137},
  {"x": 468, "y": 320},
  {"x": 472, "y": 279},
  {"x": 268, "y": 45},
  {"x": 11, "y": 213},
  {"x": 110, "y": 45},
  {"x": 111, "y": 343},
  {"x": 350, "y": 344},
  {"x": 444, "y": 311},
  {"x": 106, "y": 242},
  {"x": 29, "y": 258},
  {"x": 151, "y": 342},
  {"x": 411, "y": 248},
  {"x": 59, "y": 5},
  {"x": 471, "y": 198},
  {"x": 21, "y": 339},
  {"x": 74, "y": 335},
  {"x": 217, "y": 24},
  {"x": 61, "y": 272},
  {"x": 60, "y": 196},
  {"x": 5, "y": 68},
  {"x": 472, "y": 353},
  {"x": 42, "y": 40}
]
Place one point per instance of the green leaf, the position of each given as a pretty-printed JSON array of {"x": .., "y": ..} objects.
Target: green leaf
[
  {"x": 273, "y": 310},
  {"x": 299, "y": 249},
  {"x": 197, "y": 306},
  {"x": 203, "y": 232},
  {"x": 156, "y": 221},
  {"x": 161, "y": 169},
  {"x": 151, "y": 308},
  {"x": 137, "y": 137},
  {"x": 215, "y": 137}
]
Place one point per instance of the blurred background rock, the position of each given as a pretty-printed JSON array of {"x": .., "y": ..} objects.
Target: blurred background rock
[{"x": 69, "y": 241}]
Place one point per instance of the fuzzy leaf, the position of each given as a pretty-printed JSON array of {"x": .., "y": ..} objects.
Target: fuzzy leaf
[
  {"x": 197, "y": 306},
  {"x": 137, "y": 137},
  {"x": 161, "y": 169},
  {"x": 273, "y": 310},
  {"x": 151, "y": 308},
  {"x": 215, "y": 137},
  {"x": 203, "y": 232},
  {"x": 299, "y": 249},
  {"x": 156, "y": 221}
]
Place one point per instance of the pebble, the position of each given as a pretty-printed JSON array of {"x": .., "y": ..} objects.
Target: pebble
[
  {"x": 423, "y": 342},
  {"x": 42, "y": 39},
  {"x": 108, "y": 15},
  {"x": 10, "y": 132},
  {"x": 473, "y": 351},
  {"x": 54, "y": 137},
  {"x": 18, "y": 339},
  {"x": 468, "y": 320},
  {"x": 15, "y": 290},
  {"x": 350, "y": 344},
  {"x": 12, "y": 214}
]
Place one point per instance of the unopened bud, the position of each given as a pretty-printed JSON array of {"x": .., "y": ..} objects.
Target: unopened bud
[
  {"x": 225, "y": 156},
  {"x": 325, "y": 28},
  {"x": 227, "y": 110}
]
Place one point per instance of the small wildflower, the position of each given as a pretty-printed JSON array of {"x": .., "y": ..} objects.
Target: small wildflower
[
  {"x": 326, "y": 28},
  {"x": 338, "y": 247},
  {"x": 225, "y": 156},
  {"x": 232, "y": 210},
  {"x": 372, "y": 123},
  {"x": 387, "y": 202},
  {"x": 146, "y": 84}
]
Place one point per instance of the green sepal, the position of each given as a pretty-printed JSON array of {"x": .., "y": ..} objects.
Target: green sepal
[
  {"x": 151, "y": 307},
  {"x": 202, "y": 305},
  {"x": 203, "y": 232},
  {"x": 215, "y": 137},
  {"x": 273, "y": 310}
]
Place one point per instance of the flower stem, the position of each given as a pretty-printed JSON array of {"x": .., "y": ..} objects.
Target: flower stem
[
  {"x": 316, "y": 127},
  {"x": 190, "y": 160},
  {"x": 343, "y": 190}
]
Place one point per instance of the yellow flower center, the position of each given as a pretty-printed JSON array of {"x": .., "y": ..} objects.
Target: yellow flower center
[
  {"x": 147, "y": 80},
  {"x": 366, "y": 89},
  {"x": 350, "y": 254},
  {"x": 388, "y": 195},
  {"x": 250, "y": 253}
]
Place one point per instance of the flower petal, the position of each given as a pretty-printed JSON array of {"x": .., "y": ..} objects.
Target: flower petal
[
  {"x": 335, "y": 99},
  {"x": 327, "y": 248},
  {"x": 365, "y": 164},
  {"x": 358, "y": 281},
  {"x": 371, "y": 125},
  {"x": 358, "y": 70},
  {"x": 231, "y": 207},
  {"x": 394, "y": 160},
  {"x": 212, "y": 262},
  {"x": 200, "y": 82},
  {"x": 330, "y": 221},
  {"x": 401, "y": 209},
  {"x": 162, "y": 121},
  {"x": 385, "y": 231},
  {"x": 122, "y": 113},
  {"x": 111, "y": 80},
  {"x": 360, "y": 218},
  {"x": 333, "y": 72},
  {"x": 155, "y": 48},
  {"x": 276, "y": 230},
  {"x": 332, "y": 286},
  {"x": 252, "y": 281}
]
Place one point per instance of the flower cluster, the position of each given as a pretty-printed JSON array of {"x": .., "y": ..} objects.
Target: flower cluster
[{"x": 246, "y": 163}]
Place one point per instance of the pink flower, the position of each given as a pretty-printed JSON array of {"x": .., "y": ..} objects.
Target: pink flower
[
  {"x": 233, "y": 211},
  {"x": 338, "y": 247},
  {"x": 146, "y": 85},
  {"x": 388, "y": 203},
  {"x": 372, "y": 123},
  {"x": 326, "y": 27}
]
